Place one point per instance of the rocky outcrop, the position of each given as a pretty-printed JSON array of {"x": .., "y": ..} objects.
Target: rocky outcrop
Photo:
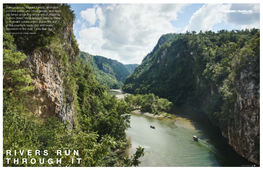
[
  {"x": 243, "y": 128},
  {"x": 243, "y": 134},
  {"x": 49, "y": 91},
  {"x": 50, "y": 94}
]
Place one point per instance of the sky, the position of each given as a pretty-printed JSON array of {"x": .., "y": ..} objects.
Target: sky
[{"x": 128, "y": 32}]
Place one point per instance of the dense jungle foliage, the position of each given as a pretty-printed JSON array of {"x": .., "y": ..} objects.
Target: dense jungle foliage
[
  {"x": 199, "y": 70},
  {"x": 109, "y": 73},
  {"x": 149, "y": 103},
  {"x": 100, "y": 119}
]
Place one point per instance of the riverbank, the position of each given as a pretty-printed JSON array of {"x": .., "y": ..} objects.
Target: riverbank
[
  {"x": 117, "y": 90},
  {"x": 178, "y": 121},
  {"x": 138, "y": 112},
  {"x": 118, "y": 93}
]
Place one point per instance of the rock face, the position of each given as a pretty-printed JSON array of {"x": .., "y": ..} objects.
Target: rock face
[
  {"x": 48, "y": 74},
  {"x": 48, "y": 81},
  {"x": 243, "y": 135},
  {"x": 243, "y": 130}
]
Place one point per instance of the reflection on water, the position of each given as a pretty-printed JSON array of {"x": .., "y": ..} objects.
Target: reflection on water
[{"x": 171, "y": 144}]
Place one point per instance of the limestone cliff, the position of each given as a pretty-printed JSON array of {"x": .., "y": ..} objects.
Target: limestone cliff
[
  {"x": 243, "y": 127},
  {"x": 243, "y": 133},
  {"x": 48, "y": 81},
  {"x": 51, "y": 95}
]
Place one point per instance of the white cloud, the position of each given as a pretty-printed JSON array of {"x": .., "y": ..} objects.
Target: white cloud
[
  {"x": 206, "y": 17},
  {"x": 91, "y": 39},
  {"x": 89, "y": 15},
  {"x": 210, "y": 14},
  {"x": 126, "y": 32}
]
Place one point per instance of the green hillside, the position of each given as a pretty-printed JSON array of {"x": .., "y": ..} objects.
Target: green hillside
[{"x": 109, "y": 73}]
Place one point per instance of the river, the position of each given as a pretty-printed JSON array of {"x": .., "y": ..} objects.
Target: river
[{"x": 171, "y": 143}]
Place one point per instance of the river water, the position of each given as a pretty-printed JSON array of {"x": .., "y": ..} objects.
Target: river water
[{"x": 171, "y": 143}]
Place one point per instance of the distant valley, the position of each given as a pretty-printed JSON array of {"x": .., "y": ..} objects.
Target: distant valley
[{"x": 109, "y": 73}]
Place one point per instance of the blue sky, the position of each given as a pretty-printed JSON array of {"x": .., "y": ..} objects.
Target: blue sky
[{"x": 128, "y": 32}]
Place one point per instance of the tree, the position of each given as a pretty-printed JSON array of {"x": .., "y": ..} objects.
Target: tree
[{"x": 135, "y": 158}]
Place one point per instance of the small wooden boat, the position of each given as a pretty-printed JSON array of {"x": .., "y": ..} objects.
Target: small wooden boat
[
  {"x": 195, "y": 138},
  {"x": 152, "y": 127}
]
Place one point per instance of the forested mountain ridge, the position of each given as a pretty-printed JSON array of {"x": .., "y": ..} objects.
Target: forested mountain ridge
[
  {"x": 166, "y": 38},
  {"x": 130, "y": 68},
  {"x": 109, "y": 73},
  {"x": 216, "y": 73},
  {"x": 52, "y": 101}
]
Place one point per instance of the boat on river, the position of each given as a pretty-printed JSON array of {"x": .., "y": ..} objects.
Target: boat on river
[
  {"x": 195, "y": 138},
  {"x": 152, "y": 127}
]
